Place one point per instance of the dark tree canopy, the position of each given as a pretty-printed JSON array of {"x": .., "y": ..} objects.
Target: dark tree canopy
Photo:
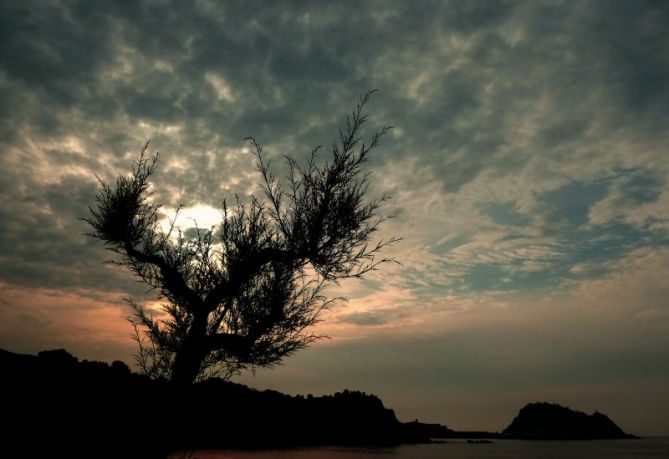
[{"x": 244, "y": 294}]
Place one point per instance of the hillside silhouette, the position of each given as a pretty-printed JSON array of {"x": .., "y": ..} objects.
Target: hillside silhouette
[
  {"x": 60, "y": 405},
  {"x": 64, "y": 405}
]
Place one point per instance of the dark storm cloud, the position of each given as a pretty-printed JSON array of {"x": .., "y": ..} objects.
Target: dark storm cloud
[
  {"x": 474, "y": 89},
  {"x": 64, "y": 70},
  {"x": 454, "y": 77},
  {"x": 44, "y": 245},
  {"x": 291, "y": 62}
]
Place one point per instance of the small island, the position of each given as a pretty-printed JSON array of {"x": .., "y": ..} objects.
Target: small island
[{"x": 548, "y": 421}]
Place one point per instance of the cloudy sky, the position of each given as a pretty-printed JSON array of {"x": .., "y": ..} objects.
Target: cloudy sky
[{"x": 528, "y": 171}]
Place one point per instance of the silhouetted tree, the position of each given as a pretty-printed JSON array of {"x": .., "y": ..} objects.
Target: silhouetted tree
[{"x": 245, "y": 294}]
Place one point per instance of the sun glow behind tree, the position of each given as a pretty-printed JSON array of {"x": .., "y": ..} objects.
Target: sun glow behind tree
[
  {"x": 200, "y": 216},
  {"x": 243, "y": 296}
]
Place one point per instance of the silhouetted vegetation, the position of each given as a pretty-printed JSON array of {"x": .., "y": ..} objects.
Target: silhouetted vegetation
[
  {"x": 245, "y": 295},
  {"x": 547, "y": 421},
  {"x": 61, "y": 405}
]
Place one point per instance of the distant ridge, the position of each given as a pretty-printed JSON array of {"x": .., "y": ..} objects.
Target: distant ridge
[
  {"x": 548, "y": 421},
  {"x": 93, "y": 409}
]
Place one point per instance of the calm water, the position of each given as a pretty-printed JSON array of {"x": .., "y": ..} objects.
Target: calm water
[{"x": 617, "y": 449}]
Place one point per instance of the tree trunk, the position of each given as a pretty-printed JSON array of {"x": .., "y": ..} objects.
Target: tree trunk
[{"x": 188, "y": 359}]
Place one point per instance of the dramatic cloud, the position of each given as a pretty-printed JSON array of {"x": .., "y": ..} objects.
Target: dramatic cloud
[{"x": 527, "y": 168}]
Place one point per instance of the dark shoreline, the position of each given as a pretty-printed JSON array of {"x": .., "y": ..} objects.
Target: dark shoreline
[
  {"x": 58, "y": 405},
  {"x": 72, "y": 407}
]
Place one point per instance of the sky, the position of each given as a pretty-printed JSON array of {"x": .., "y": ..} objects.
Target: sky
[{"x": 527, "y": 169}]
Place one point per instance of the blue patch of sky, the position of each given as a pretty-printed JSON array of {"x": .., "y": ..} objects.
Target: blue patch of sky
[
  {"x": 643, "y": 186},
  {"x": 611, "y": 241},
  {"x": 509, "y": 277},
  {"x": 512, "y": 236},
  {"x": 505, "y": 214},
  {"x": 451, "y": 244},
  {"x": 593, "y": 248},
  {"x": 571, "y": 203},
  {"x": 485, "y": 277}
]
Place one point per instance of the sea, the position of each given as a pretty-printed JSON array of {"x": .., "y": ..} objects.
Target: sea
[{"x": 646, "y": 448}]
